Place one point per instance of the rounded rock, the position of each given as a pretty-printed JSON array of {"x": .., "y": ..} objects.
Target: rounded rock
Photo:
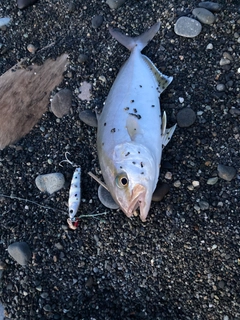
[
  {"x": 61, "y": 103},
  {"x": 115, "y": 4},
  {"x": 82, "y": 58},
  {"x": 31, "y": 48},
  {"x": 50, "y": 182},
  {"x": 209, "y": 5},
  {"x": 226, "y": 173},
  {"x": 25, "y": 3},
  {"x": 97, "y": 21},
  {"x": 160, "y": 192},
  {"x": 204, "y": 205},
  {"x": 187, "y": 27},
  {"x": 88, "y": 117},
  {"x": 106, "y": 198},
  {"x": 186, "y": 117},
  {"x": 20, "y": 252},
  {"x": 4, "y": 21},
  {"x": 204, "y": 15},
  {"x": 212, "y": 181},
  {"x": 220, "y": 87}
]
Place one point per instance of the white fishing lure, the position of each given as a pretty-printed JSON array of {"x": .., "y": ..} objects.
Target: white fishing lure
[{"x": 74, "y": 194}]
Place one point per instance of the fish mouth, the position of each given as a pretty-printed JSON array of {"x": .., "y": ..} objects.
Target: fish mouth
[{"x": 137, "y": 200}]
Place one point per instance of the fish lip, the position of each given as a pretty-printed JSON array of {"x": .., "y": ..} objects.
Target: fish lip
[{"x": 137, "y": 199}]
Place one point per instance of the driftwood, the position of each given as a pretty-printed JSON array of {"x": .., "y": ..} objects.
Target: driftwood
[{"x": 24, "y": 97}]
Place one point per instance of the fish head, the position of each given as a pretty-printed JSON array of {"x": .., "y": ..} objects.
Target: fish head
[{"x": 131, "y": 178}]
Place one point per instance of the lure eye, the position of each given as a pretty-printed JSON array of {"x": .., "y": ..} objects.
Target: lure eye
[{"x": 122, "y": 180}]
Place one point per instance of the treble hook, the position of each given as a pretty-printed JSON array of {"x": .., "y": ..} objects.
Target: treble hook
[{"x": 67, "y": 160}]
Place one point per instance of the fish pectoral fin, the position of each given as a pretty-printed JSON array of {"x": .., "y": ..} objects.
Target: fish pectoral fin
[
  {"x": 162, "y": 80},
  {"x": 133, "y": 128},
  {"x": 168, "y": 135}
]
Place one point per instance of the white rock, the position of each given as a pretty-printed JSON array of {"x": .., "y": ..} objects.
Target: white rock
[
  {"x": 187, "y": 27},
  {"x": 50, "y": 183},
  {"x": 209, "y": 46},
  {"x": 4, "y": 21}
]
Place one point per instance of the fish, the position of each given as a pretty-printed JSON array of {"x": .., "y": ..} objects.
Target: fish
[{"x": 131, "y": 131}]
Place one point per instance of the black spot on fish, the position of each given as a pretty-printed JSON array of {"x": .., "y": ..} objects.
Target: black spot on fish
[
  {"x": 113, "y": 130},
  {"x": 138, "y": 152},
  {"x": 102, "y": 143},
  {"x": 132, "y": 101},
  {"x": 153, "y": 105},
  {"x": 135, "y": 110},
  {"x": 104, "y": 124},
  {"x": 127, "y": 108},
  {"x": 120, "y": 167},
  {"x": 136, "y": 115},
  {"x": 141, "y": 165},
  {"x": 133, "y": 162},
  {"x": 140, "y": 86},
  {"x": 127, "y": 154},
  {"x": 142, "y": 172}
]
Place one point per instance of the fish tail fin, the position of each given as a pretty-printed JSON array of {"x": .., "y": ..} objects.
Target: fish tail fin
[{"x": 141, "y": 41}]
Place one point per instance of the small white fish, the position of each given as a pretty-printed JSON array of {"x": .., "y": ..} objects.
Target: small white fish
[
  {"x": 74, "y": 194},
  {"x": 131, "y": 132}
]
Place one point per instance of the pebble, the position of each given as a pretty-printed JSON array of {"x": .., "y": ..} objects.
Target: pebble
[
  {"x": 47, "y": 308},
  {"x": 205, "y": 16},
  {"x": 31, "y": 48},
  {"x": 106, "y": 198},
  {"x": 224, "y": 62},
  {"x": 204, "y": 205},
  {"x": 187, "y": 27},
  {"x": 234, "y": 111},
  {"x": 50, "y": 182},
  {"x": 20, "y": 252},
  {"x": 177, "y": 183},
  {"x": 82, "y": 58},
  {"x": 88, "y": 117},
  {"x": 168, "y": 175},
  {"x": 115, "y": 4},
  {"x": 181, "y": 100},
  {"x": 4, "y": 21},
  {"x": 209, "y": 5},
  {"x": 195, "y": 183},
  {"x": 209, "y": 46},
  {"x": 227, "y": 55},
  {"x": 225, "y": 172},
  {"x": 25, "y": 3},
  {"x": 85, "y": 90},
  {"x": 186, "y": 117},
  {"x": 220, "y": 87},
  {"x": 212, "y": 181},
  {"x": 97, "y": 21},
  {"x": 61, "y": 103},
  {"x": 161, "y": 190}
]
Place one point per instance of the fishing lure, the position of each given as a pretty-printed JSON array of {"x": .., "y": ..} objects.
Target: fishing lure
[{"x": 74, "y": 195}]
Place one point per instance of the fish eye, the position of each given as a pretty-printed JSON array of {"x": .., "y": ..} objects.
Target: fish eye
[{"x": 122, "y": 180}]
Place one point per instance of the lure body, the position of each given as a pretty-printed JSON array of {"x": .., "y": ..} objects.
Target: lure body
[{"x": 74, "y": 194}]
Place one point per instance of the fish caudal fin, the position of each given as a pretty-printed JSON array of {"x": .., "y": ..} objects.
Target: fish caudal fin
[
  {"x": 166, "y": 133},
  {"x": 140, "y": 41}
]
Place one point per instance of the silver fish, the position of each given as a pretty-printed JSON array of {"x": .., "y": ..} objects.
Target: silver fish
[{"x": 131, "y": 131}]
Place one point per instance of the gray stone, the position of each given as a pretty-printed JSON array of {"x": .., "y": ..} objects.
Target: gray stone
[
  {"x": 115, "y": 4},
  {"x": 187, "y": 27},
  {"x": 204, "y": 15},
  {"x": 186, "y": 117},
  {"x": 212, "y": 181},
  {"x": 4, "y": 21},
  {"x": 50, "y": 182},
  {"x": 61, "y": 103},
  {"x": 82, "y": 58},
  {"x": 97, "y": 21},
  {"x": 161, "y": 190},
  {"x": 88, "y": 117},
  {"x": 20, "y": 252},
  {"x": 234, "y": 111},
  {"x": 209, "y": 5},
  {"x": 220, "y": 87},
  {"x": 106, "y": 198},
  {"x": 204, "y": 205},
  {"x": 226, "y": 173},
  {"x": 25, "y": 3}
]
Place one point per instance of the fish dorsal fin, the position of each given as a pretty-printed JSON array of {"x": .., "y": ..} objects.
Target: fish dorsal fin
[
  {"x": 162, "y": 80},
  {"x": 133, "y": 128},
  {"x": 166, "y": 133}
]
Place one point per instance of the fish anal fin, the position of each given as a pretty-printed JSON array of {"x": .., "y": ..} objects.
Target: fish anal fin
[
  {"x": 168, "y": 135},
  {"x": 162, "y": 80}
]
